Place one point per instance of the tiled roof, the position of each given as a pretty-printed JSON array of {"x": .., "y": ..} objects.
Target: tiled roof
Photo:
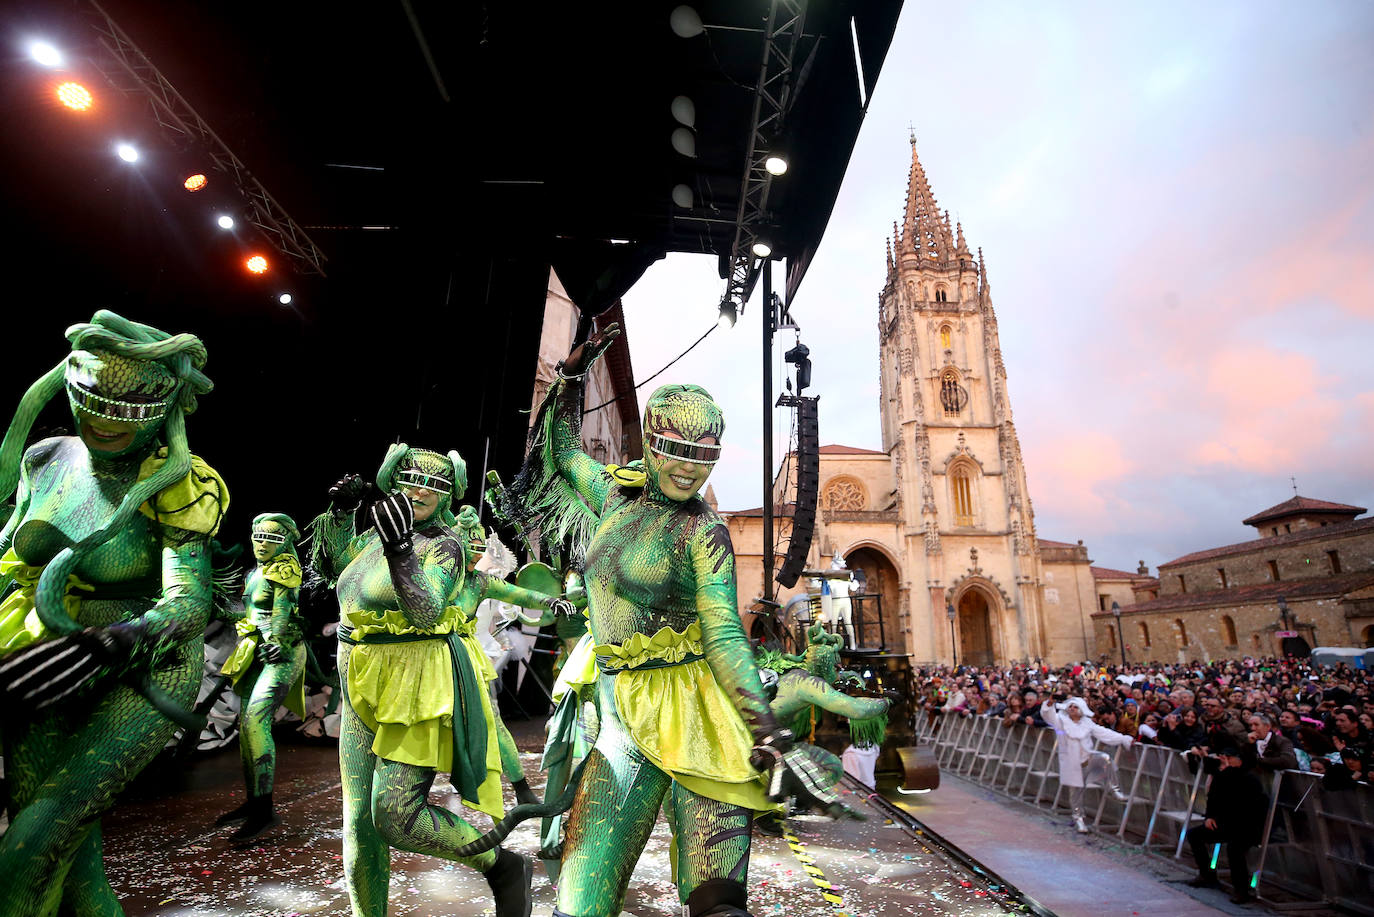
[
  {"x": 1258, "y": 594},
  {"x": 1109, "y": 573},
  {"x": 1047, "y": 543},
  {"x": 1298, "y": 505},
  {"x": 834, "y": 449},
  {"x": 1334, "y": 530}
]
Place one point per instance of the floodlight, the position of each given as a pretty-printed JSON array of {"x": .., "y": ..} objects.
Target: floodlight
[
  {"x": 762, "y": 249},
  {"x": 75, "y": 96},
  {"x": 727, "y": 314},
  {"x": 775, "y": 165},
  {"x": 195, "y": 182},
  {"x": 45, "y": 54},
  {"x": 256, "y": 264},
  {"x": 127, "y": 152},
  {"x": 284, "y": 299},
  {"x": 225, "y": 221}
]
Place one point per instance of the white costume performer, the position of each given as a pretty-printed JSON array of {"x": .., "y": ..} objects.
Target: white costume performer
[{"x": 1078, "y": 762}]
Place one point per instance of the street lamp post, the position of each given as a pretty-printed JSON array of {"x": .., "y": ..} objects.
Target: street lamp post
[
  {"x": 1120, "y": 634},
  {"x": 1283, "y": 612},
  {"x": 953, "y": 646}
]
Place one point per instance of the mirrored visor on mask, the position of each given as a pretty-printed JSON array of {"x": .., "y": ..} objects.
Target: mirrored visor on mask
[
  {"x": 433, "y": 482},
  {"x": 681, "y": 450},
  {"x": 138, "y": 412},
  {"x": 272, "y": 537}
]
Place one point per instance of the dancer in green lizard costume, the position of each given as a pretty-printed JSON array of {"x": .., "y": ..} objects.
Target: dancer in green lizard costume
[
  {"x": 476, "y": 587},
  {"x": 684, "y": 723},
  {"x": 268, "y": 665},
  {"x": 108, "y": 587},
  {"x": 413, "y": 702}
]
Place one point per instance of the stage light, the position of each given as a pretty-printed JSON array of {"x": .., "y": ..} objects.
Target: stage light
[
  {"x": 685, "y": 22},
  {"x": 682, "y": 196},
  {"x": 775, "y": 165},
  {"x": 284, "y": 299},
  {"x": 685, "y": 142},
  {"x": 75, "y": 96},
  {"x": 195, "y": 182},
  {"x": 727, "y": 314},
  {"x": 684, "y": 111},
  {"x": 225, "y": 221},
  {"x": 127, "y": 152},
  {"x": 45, "y": 54},
  {"x": 762, "y": 249},
  {"x": 256, "y": 264}
]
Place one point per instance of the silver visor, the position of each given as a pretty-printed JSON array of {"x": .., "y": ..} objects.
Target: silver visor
[
  {"x": 413, "y": 478},
  {"x": 680, "y": 449},
  {"x": 139, "y": 412},
  {"x": 273, "y": 537}
]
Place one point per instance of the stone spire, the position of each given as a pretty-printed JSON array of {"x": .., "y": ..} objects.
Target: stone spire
[
  {"x": 923, "y": 229},
  {"x": 961, "y": 246}
]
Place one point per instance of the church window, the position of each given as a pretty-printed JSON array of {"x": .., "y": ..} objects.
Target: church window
[
  {"x": 941, "y": 295},
  {"x": 946, "y": 337},
  {"x": 1182, "y": 583},
  {"x": 963, "y": 496},
  {"x": 1335, "y": 559},
  {"x": 1182, "y": 631},
  {"x": 1221, "y": 575},
  {"x": 1273, "y": 570},
  {"x": 952, "y": 394},
  {"x": 1111, "y": 637},
  {"x": 1102, "y": 601},
  {"x": 844, "y": 494},
  {"x": 1228, "y": 630},
  {"x": 1144, "y": 635}
]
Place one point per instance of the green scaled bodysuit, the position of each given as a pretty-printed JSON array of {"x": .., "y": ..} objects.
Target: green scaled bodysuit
[
  {"x": 413, "y": 704},
  {"x": 267, "y": 665},
  {"x": 107, "y": 575},
  {"x": 681, "y": 704}
]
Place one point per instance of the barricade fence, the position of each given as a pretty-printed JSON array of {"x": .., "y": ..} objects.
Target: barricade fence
[{"x": 1317, "y": 843}]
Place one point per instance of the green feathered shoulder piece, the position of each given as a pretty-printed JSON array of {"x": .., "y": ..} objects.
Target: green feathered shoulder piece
[{"x": 196, "y": 503}]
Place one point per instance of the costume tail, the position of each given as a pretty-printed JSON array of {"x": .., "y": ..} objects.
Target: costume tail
[{"x": 521, "y": 813}]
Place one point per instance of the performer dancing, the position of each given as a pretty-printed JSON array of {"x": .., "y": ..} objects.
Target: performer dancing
[
  {"x": 680, "y": 698},
  {"x": 413, "y": 704},
  {"x": 268, "y": 665},
  {"x": 107, "y": 567},
  {"x": 1078, "y": 762}
]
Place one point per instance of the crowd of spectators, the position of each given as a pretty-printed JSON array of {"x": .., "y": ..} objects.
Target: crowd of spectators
[{"x": 1285, "y": 714}]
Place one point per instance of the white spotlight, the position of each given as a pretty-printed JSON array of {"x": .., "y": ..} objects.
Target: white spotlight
[
  {"x": 682, "y": 196},
  {"x": 684, "y": 111},
  {"x": 284, "y": 299},
  {"x": 127, "y": 152},
  {"x": 775, "y": 165},
  {"x": 685, "y": 22},
  {"x": 762, "y": 249},
  {"x": 684, "y": 141},
  {"x": 45, "y": 54},
  {"x": 727, "y": 315},
  {"x": 225, "y": 221}
]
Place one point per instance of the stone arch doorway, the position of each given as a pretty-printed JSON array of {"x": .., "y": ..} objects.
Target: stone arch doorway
[
  {"x": 881, "y": 578},
  {"x": 975, "y": 628},
  {"x": 1369, "y": 636}
]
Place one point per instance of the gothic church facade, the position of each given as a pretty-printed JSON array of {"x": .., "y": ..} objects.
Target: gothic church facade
[{"x": 940, "y": 520}]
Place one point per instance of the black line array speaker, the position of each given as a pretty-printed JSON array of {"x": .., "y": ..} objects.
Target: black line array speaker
[{"x": 808, "y": 483}]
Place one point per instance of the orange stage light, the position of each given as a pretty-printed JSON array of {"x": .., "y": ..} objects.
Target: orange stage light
[
  {"x": 256, "y": 264},
  {"x": 75, "y": 96},
  {"x": 195, "y": 182}
]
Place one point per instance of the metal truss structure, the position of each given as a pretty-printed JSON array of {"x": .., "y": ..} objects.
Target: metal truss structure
[
  {"x": 129, "y": 70},
  {"x": 772, "y": 98}
]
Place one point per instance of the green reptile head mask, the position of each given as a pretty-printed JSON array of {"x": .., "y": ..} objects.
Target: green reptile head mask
[
  {"x": 682, "y": 430},
  {"x": 119, "y": 403},
  {"x": 434, "y": 481},
  {"x": 273, "y": 534}
]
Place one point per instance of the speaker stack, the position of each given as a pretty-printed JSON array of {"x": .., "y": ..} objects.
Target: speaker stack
[{"x": 808, "y": 484}]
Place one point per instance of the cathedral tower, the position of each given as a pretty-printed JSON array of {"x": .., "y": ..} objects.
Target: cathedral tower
[{"x": 966, "y": 520}]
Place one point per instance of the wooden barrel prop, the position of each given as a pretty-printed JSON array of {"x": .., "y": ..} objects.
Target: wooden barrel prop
[{"x": 920, "y": 770}]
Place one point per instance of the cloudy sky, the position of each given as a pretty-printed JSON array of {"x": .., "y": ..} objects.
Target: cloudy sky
[{"x": 1176, "y": 204}]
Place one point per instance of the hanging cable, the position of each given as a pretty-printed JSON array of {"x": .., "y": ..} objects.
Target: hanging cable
[{"x": 655, "y": 375}]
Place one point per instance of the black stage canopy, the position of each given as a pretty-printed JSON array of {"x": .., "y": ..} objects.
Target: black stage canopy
[{"x": 439, "y": 155}]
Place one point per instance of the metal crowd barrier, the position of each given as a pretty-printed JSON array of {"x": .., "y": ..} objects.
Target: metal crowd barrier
[{"x": 1318, "y": 843}]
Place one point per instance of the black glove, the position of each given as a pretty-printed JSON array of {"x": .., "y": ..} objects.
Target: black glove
[
  {"x": 797, "y": 775},
  {"x": 44, "y": 673},
  {"x": 563, "y": 607},
  {"x": 394, "y": 517},
  {"x": 271, "y": 653},
  {"x": 770, "y": 748},
  {"x": 347, "y": 494}
]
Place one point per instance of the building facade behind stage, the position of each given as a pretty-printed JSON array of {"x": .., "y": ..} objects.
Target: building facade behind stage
[
  {"x": 942, "y": 515},
  {"x": 1224, "y": 602}
]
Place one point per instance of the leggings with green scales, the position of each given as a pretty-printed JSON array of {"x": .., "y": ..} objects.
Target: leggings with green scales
[
  {"x": 257, "y": 710},
  {"x": 617, "y": 803},
  {"x": 386, "y": 804}
]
